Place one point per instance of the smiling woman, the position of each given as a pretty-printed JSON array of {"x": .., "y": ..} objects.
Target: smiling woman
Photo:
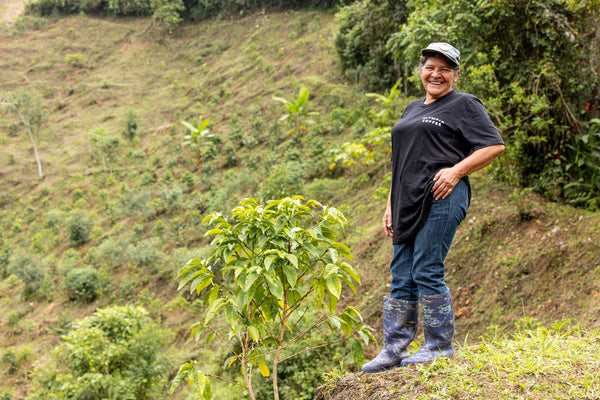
[
  {"x": 438, "y": 78},
  {"x": 437, "y": 143}
]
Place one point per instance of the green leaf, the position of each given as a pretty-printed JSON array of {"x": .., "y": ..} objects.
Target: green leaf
[
  {"x": 253, "y": 333},
  {"x": 349, "y": 282},
  {"x": 343, "y": 250},
  {"x": 213, "y": 232},
  {"x": 203, "y": 124},
  {"x": 197, "y": 330},
  {"x": 333, "y": 254},
  {"x": 269, "y": 260},
  {"x": 303, "y": 97},
  {"x": 231, "y": 316},
  {"x": 332, "y": 304},
  {"x": 290, "y": 274},
  {"x": 209, "y": 338},
  {"x": 275, "y": 287},
  {"x": 357, "y": 353},
  {"x": 335, "y": 322},
  {"x": 350, "y": 271},
  {"x": 201, "y": 283},
  {"x": 284, "y": 101},
  {"x": 330, "y": 269},
  {"x": 334, "y": 286},
  {"x": 292, "y": 258},
  {"x": 229, "y": 361},
  {"x": 184, "y": 372},
  {"x": 191, "y": 127},
  {"x": 214, "y": 308},
  {"x": 250, "y": 279}
]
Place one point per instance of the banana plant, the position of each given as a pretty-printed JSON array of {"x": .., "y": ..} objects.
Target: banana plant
[
  {"x": 195, "y": 136},
  {"x": 297, "y": 111}
]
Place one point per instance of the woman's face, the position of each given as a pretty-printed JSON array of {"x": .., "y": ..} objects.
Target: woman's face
[{"x": 438, "y": 77}]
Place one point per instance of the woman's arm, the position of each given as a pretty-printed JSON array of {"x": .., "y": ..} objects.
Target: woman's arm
[
  {"x": 387, "y": 218},
  {"x": 447, "y": 178}
]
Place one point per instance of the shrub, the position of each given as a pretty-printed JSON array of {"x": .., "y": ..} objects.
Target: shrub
[
  {"x": 112, "y": 251},
  {"x": 53, "y": 219},
  {"x": 29, "y": 270},
  {"x": 79, "y": 225},
  {"x": 85, "y": 284},
  {"x": 284, "y": 180},
  {"x": 131, "y": 125},
  {"x": 145, "y": 253},
  {"x": 75, "y": 60},
  {"x": 113, "y": 354},
  {"x": 12, "y": 358}
]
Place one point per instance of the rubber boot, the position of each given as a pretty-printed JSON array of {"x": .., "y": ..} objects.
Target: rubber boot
[
  {"x": 400, "y": 323},
  {"x": 438, "y": 329}
]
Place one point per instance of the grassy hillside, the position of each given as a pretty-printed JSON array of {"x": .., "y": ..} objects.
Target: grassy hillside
[{"x": 131, "y": 210}]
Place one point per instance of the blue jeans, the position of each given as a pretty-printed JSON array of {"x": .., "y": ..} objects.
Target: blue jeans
[{"x": 418, "y": 265}]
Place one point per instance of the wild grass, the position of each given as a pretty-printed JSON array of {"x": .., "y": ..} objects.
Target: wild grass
[{"x": 533, "y": 362}]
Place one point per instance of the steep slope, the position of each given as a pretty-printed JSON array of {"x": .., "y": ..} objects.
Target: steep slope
[{"x": 141, "y": 201}]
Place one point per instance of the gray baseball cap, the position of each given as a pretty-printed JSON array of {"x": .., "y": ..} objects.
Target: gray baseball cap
[{"x": 445, "y": 49}]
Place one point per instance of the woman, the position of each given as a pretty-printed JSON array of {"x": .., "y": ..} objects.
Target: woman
[{"x": 438, "y": 142}]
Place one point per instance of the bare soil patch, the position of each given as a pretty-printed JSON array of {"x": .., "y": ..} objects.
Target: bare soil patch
[{"x": 11, "y": 9}]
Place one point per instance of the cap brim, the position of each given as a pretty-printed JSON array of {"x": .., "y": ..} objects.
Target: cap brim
[{"x": 425, "y": 52}]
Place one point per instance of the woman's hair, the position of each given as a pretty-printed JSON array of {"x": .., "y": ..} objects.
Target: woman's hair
[{"x": 424, "y": 59}]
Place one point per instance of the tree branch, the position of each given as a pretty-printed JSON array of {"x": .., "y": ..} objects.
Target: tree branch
[{"x": 311, "y": 348}]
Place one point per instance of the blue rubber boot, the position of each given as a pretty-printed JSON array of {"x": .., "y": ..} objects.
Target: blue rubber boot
[
  {"x": 400, "y": 322},
  {"x": 438, "y": 328}
]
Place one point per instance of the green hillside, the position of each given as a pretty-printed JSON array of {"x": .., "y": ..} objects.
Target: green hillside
[{"x": 114, "y": 219}]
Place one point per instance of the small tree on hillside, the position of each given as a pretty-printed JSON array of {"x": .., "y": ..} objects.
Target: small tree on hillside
[
  {"x": 278, "y": 261},
  {"x": 196, "y": 136},
  {"x": 297, "y": 112},
  {"x": 32, "y": 114},
  {"x": 113, "y": 354},
  {"x": 105, "y": 147}
]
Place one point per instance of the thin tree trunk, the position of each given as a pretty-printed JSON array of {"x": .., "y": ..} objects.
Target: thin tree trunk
[
  {"x": 284, "y": 317},
  {"x": 247, "y": 378},
  {"x": 275, "y": 363},
  {"x": 35, "y": 152}
]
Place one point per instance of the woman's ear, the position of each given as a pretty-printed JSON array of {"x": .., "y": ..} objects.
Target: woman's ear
[{"x": 456, "y": 75}]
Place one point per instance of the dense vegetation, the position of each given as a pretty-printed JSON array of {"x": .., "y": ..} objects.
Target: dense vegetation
[
  {"x": 535, "y": 63},
  {"x": 89, "y": 254}
]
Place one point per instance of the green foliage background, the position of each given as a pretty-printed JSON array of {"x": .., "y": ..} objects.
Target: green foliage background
[{"x": 535, "y": 64}]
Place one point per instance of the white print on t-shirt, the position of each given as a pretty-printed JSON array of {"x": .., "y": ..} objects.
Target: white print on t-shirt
[{"x": 433, "y": 120}]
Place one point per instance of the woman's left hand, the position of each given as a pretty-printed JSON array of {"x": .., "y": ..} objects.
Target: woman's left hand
[{"x": 445, "y": 181}]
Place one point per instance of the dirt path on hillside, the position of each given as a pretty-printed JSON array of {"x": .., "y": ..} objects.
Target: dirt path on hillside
[{"x": 11, "y": 9}]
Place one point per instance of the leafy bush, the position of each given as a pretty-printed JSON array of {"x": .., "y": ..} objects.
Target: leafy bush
[
  {"x": 361, "y": 42},
  {"x": 131, "y": 125},
  {"x": 284, "y": 180},
  {"x": 111, "y": 252},
  {"x": 106, "y": 148},
  {"x": 29, "y": 270},
  {"x": 145, "y": 253},
  {"x": 112, "y": 354},
  {"x": 85, "y": 284},
  {"x": 12, "y": 359},
  {"x": 79, "y": 225},
  {"x": 76, "y": 60}
]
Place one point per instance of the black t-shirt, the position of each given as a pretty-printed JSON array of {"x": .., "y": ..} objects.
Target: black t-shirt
[{"x": 428, "y": 138}]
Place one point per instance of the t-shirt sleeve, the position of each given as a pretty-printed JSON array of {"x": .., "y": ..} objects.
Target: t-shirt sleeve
[{"x": 477, "y": 127}]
